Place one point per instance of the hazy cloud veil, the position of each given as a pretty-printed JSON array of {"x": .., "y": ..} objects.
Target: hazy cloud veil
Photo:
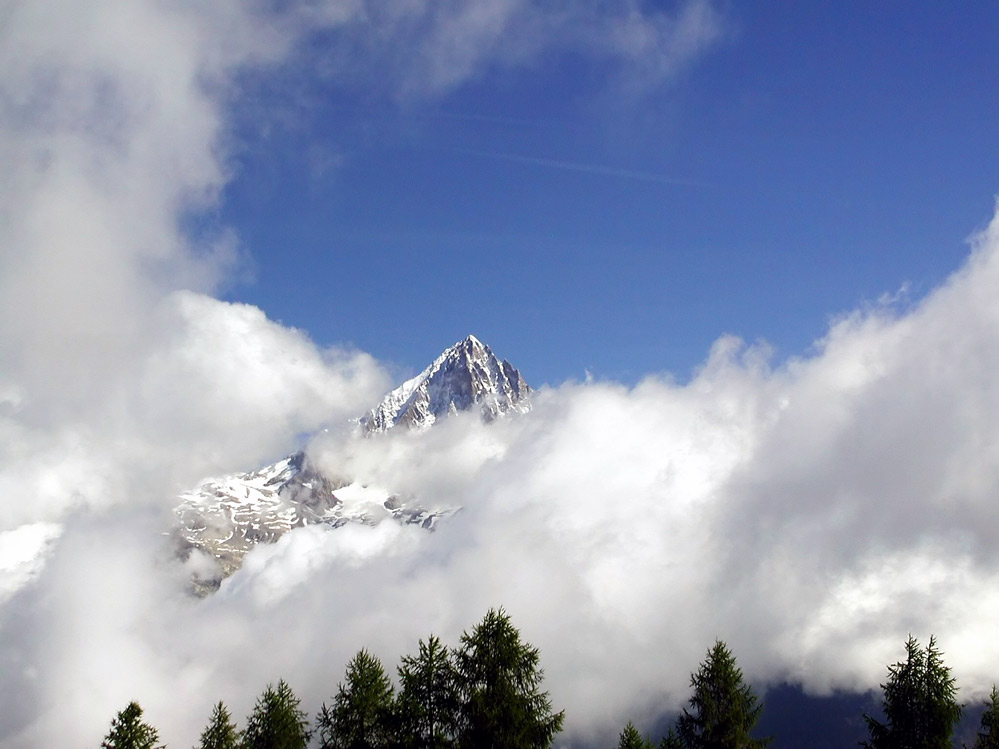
[{"x": 811, "y": 512}]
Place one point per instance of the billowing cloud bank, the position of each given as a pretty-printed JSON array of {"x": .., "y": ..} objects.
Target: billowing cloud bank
[{"x": 811, "y": 513}]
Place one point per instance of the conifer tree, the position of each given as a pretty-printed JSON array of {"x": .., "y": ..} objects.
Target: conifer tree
[
  {"x": 427, "y": 704},
  {"x": 723, "y": 710},
  {"x": 920, "y": 702},
  {"x": 499, "y": 680},
  {"x": 277, "y": 722},
  {"x": 129, "y": 732},
  {"x": 988, "y": 736},
  {"x": 221, "y": 732},
  {"x": 671, "y": 740},
  {"x": 630, "y": 738},
  {"x": 361, "y": 715}
]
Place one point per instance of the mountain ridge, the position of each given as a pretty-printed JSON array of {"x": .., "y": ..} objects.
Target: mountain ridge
[{"x": 226, "y": 517}]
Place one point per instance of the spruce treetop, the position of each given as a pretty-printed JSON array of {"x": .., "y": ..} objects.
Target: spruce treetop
[
  {"x": 920, "y": 702},
  {"x": 129, "y": 732},
  {"x": 277, "y": 722},
  {"x": 361, "y": 714},
  {"x": 499, "y": 681},
  {"x": 428, "y": 700},
  {"x": 221, "y": 732},
  {"x": 630, "y": 738},
  {"x": 723, "y": 710},
  {"x": 988, "y": 734}
]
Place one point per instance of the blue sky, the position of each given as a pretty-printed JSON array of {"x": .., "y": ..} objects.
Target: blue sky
[{"x": 578, "y": 218}]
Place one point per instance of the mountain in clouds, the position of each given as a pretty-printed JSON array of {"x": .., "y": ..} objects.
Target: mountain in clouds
[
  {"x": 226, "y": 517},
  {"x": 465, "y": 376}
]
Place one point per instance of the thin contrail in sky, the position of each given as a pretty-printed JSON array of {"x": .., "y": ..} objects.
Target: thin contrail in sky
[
  {"x": 495, "y": 119},
  {"x": 575, "y": 166}
]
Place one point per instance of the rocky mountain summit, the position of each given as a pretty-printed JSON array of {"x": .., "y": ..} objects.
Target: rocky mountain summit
[
  {"x": 465, "y": 376},
  {"x": 226, "y": 517}
]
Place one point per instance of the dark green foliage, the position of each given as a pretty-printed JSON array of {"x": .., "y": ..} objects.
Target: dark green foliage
[
  {"x": 277, "y": 722},
  {"x": 486, "y": 694},
  {"x": 988, "y": 736},
  {"x": 221, "y": 732},
  {"x": 723, "y": 710},
  {"x": 129, "y": 732},
  {"x": 630, "y": 738},
  {"x": 671, "y": 740},
  {"x": 361, "y": 715},
  {"x": 920, "y": 704},
  {"x": 427, "y": 705},
  {"x": 499, "y": 681}
]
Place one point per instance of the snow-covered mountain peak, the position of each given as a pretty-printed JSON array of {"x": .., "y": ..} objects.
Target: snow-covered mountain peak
[
  {"x": 226, "y": 517},
  {"x": 466, "y": 375}
]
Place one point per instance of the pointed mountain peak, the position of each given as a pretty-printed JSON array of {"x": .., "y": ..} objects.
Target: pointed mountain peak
[
  {"x": 468, "y": 346},
  {"x": 466, "y": 375}
]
